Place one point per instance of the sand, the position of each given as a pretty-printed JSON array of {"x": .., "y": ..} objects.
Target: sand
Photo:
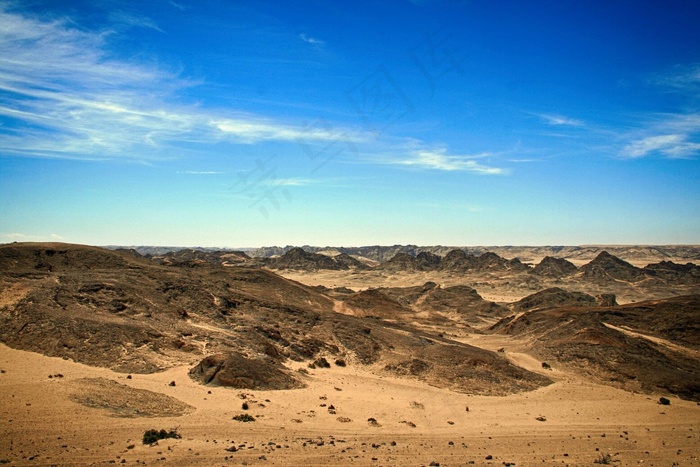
[{"x": 43, "y": 420}]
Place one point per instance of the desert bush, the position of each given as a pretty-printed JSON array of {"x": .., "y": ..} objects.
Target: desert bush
[
  {"x": 244, "y": 417},
  {"x": 546, "y": 366},
  {"x": 244, "y": 406},
  {"x": 340, "y": 362},
  {"x": 604, "y": 459},
  {"x": 322, "y": 363},
  {"x": 152, "y": 436},
  {"x": 664, "y": 401}
]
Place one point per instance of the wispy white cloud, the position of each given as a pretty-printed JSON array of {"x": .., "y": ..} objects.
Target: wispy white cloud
[
  {"x": 64, "y": 95},
  {"x": 177, "y": 5},
  {"x": 556, "y": 120},
  {"x": 134, "y": 21},
  {"x": 671, "y": 135},
  {"x": 16, "y": 236},
  {"x": 675, "y": 146},
  {"x": 250, "y": 131},
  {"x": 201, "y": 172},
  {"x": 67, "y": 97},
  {"x": 312, "y": 40},
  {"x": 22, "y": 237},
  {"x": 288, "y": 182},
  {"x": 439, "y": 159},
  {"x": 681, "y": 78},
  {"x": 523, "y": 161}
]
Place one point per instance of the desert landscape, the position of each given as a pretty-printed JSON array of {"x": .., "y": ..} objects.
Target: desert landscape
[
  {"x": 369, "y": 233},
  {"x": 328, "y": 356}
]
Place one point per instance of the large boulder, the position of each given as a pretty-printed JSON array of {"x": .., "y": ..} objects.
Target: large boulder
[{"x": 238, "y": 371}]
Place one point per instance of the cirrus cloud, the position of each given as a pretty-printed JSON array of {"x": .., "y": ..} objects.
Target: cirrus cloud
[
  {"x": 439, "y": 159},
  {"x": 675, "y": 146}
]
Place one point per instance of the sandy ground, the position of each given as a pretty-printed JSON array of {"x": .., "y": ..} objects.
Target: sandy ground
[
  {"x": 372, "y": 279},
  {"x": 42, "y": 424}
]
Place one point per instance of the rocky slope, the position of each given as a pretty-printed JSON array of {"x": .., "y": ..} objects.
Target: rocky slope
[{"x": 649, "y": 346}]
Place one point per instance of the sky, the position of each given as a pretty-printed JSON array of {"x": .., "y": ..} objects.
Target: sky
[{"x": 428, "y": 122}]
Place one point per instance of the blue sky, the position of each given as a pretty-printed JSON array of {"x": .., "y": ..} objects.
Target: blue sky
[{"x": 248, "y": 123}]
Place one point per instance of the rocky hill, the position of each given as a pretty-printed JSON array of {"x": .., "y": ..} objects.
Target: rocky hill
[
  {"x": 454, "y": 260},
  {"x": 400, "y": 262},
  {"x": 428, "y": 304},
  {"x": 457, "y": 260},
  {"x": 672, "y": 273},
  {"x": 302, "y": 260},
  {"x": 553, "y": 298},
  {"x": 649, "y": 346},
  {"x": 608, "y": 267},
  {"x": 554, "y": 267},
  {"x": 192, "y": 257}
]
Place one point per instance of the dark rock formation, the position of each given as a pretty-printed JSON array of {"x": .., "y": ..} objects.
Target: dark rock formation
[
  {"x": 554, "y": 267},
  {"x": 457, "y": 260},
  {"x": 400, "y": 262},
  {"x": 426, "y": 261},
  {"x": 670, "y": 272},
  {"x": 302, "y": 260},
  {"x": 237, "y": 371},
  {"x": 606, "y": 299},
  {"x": 554, "y": 297},
  {"x": 606, "y": 267}
]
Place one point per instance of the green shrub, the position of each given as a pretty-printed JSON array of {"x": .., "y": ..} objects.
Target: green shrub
[
  {"x": 244, "y": 417},
  {"x": 152, "y": 436}
]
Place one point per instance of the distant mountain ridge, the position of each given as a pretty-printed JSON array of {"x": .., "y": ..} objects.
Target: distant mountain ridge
[{"x": 526, "y": 254}]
